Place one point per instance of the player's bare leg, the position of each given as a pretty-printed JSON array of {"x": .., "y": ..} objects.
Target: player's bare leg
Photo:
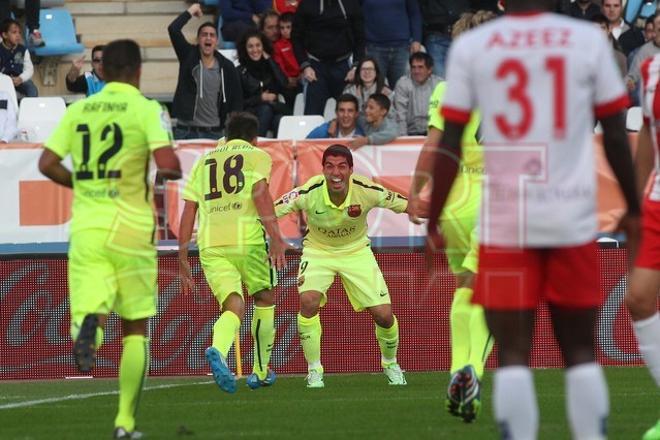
[
  {"x": 133, "y": 369},
  {"x": 642, "y": 303},
  {"x": 309, "y": 330},
  {"x": 263, "y": 334},
  {"x": 587, "y": 399},
  {"x": 387, "y": 334},
  {"x": 514, "y": 399}
]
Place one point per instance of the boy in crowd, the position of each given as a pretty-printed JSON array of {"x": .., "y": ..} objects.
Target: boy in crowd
[
  {"x": 378, "y": 128},
  {"x": 283, "y": 51},
  {"x": 15, "y": 59}
]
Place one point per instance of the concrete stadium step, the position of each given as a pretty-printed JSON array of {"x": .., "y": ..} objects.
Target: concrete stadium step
[
  {"x": 104, "y": 7},
  {"x": 148, "y": 30}
]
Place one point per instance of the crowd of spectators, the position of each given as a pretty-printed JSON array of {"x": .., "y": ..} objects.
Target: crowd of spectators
[{"x": 395, "y": 49}]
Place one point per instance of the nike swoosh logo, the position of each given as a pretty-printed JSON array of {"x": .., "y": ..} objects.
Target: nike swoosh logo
[
  {"x": 322, "y": 212},
  {"x": 383, "y": 294}
]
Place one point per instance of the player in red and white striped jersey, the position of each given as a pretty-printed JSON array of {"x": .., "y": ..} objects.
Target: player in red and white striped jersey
[
  {"x": 642, "y": 297},
  {"x": 538, "y": 79}
]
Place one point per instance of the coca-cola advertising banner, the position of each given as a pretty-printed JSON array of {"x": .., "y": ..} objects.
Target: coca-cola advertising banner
[{"x": 35, "y": 341}]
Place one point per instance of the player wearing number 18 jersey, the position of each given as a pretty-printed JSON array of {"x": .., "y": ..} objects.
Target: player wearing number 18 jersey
[
  {"x": 112, "y": 258},
  {"x": 228, "y": 188},
  {"x": 538, "y": 79}
]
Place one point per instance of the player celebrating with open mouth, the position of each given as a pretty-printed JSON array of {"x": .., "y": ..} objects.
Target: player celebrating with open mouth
[{"x": 336, "y": 204}]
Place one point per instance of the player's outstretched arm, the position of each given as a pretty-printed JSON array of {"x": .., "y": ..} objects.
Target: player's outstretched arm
[
  {"x": 167, "y": 163},
  {"x": 422, "y": 175},
  {"x": 644, "y": 159},
  {"x": 617, "y": 151},
  {"x": 266, "y": 210},
  {"x": 185, "y": 235},
  {"x": 50, "y": 165}
]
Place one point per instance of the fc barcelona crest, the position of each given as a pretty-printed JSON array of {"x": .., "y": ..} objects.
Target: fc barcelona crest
[{"x": 354, "y": 211}]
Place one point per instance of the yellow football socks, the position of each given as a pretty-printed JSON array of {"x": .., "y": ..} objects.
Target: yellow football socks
[
  {"x": 133, "y": 369},
  {"x": 388, "y": 340},
  {"x": 459, "y": 321},
  {"x": 224, "y": 331},
  {"x": 481, "y": 341},
  {"x": 309, "y": 330},
  {"x": 263, "y": 332}
]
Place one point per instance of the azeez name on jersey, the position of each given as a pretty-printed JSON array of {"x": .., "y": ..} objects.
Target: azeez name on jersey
[{"x": 530, "y": 39}]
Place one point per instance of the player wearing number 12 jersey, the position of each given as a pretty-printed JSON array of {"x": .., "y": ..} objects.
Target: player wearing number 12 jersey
[
  {"x": 112, "y": 258},
  {"x": 228, "y": 188},
  {"x": 538, "y": 79}
]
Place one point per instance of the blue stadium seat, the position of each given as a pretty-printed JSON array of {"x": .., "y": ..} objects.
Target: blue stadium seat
[
  {"x": 635, "y": 9},
  {"x": 56, "y": 26}
]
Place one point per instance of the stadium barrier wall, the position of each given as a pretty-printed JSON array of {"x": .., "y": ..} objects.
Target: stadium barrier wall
[
  {"x": 36, "y": 210},
  {"x": 35, "y": 342}
]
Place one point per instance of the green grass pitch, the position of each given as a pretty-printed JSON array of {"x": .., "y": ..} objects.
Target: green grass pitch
[{"x": 356, "y": 406}]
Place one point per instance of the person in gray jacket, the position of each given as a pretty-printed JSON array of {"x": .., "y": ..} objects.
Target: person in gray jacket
[
  {"x": 378, "y": 128},
  {"x": 634, "y": 77},
  {"x": 412, "y": 93}
]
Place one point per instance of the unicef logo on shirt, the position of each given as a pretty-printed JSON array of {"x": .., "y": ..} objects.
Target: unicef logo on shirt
[{"x": 236, "y": 205}]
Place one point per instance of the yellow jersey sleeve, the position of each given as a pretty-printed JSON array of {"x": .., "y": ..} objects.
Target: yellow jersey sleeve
[
  {"x": 262, "y": 167},
  {"x": 157, "y": 125},
  {"x": 392, "y": 200},
  {"x": 293, "y": 201}
]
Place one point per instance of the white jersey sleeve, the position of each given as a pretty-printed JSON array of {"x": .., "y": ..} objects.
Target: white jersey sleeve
[
  {"x": 610, "y": 91},
  {"x": 459, "y": 99}
]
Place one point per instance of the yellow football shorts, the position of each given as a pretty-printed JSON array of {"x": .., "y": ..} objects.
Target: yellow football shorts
[
  {"x": 359, "y": 274},
  {"x": 461, "y": 236},
  {"x": 225, "y": 267},
  {"x": 105, "y": 277}
]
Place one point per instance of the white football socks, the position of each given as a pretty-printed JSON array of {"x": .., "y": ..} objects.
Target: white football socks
[
  {"x": 648, "y": 336},
  {"x": 514, "y": 402},
  {"x": 587, "y": 401}
]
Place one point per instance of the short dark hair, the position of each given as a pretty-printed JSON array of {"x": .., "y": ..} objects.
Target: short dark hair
[
  {"x": 206, "y": 24},
  {"x": 6, "y": 24},
  {"x": 97, "y": 48},
  {"x": 382, "y": 100},
  {"x": 287, "y": 17},
  {"x": 241, "y": 125},
  {"x": 650, "y": 20},
  {"x": 421, "y": 56},
  {"x": 121, "y": 60},
  {"x": 267, "y": 14},
  {"x": 347, "y": 97},
  {"x": 338, "y": 150}
]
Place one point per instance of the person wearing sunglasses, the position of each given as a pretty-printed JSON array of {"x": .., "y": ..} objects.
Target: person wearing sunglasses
[{"x": 86, "y": 82}]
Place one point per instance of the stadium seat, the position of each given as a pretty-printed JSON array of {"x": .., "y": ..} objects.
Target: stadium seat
[
  {"x": 329, "y": 111},
  {"x": 298, "y": 127},
  {"x": 635, "y": 9},
  {"x": 58, "y": 32},
  {"x": 7, "y": 85},
  {"x": 299, "y": 105},
  {"x": 38, "y": 117},
  {"x": 634, "y": 119}
]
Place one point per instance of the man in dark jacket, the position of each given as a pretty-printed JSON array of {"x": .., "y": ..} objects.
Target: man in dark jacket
[
  {"x": 208, "y": 87},
  {"x": 438, "y": 17},
  {"x": 325, "y": 34}
]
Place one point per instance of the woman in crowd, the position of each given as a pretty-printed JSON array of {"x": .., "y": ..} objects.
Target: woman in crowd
[
  {"x": 367, "y": 81},
  {"x": 262, "y": 81}
]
